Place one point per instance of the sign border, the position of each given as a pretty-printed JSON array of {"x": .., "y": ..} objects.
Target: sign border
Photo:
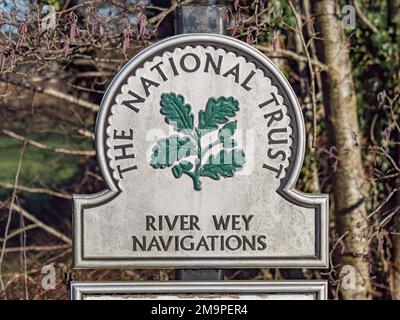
[
  {"x": 287, "y": 189},
  {"x": 81, "y": 288}
]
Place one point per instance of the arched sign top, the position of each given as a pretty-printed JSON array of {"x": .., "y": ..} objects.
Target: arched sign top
[
  {"x": 287, "y": 171},
  {"x": 200, "y": 139}
]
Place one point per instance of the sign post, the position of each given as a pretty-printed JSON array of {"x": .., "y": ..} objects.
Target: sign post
[
  {"x": 200, "y": 19},
  {"x": 200, "y": 139},
  {"x": 200, "y": 290}
]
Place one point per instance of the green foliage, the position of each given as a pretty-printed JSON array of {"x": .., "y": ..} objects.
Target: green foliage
[
  {"x": 218, "y": 111},
  {"x": 375, "y": 55},
  {"x": 39, "y": 167},
  {"x": 216, "y": 115},
  {"x": 179, "y": 169},
  {"x": 177, "y": 113},
  {"x": 224, "y": 164},
  {"x": 375, "y": 62},
  {"x": 57, "y": 4},
  {"x": 171, "y": 149},
  {"x": 277, "y": 16},
  {"x": 225, "y": 134}
]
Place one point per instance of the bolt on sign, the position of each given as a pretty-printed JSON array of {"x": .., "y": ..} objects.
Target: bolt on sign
[
  {"x": 204, "y": 290},
  {"x": 200, "y": 140}
]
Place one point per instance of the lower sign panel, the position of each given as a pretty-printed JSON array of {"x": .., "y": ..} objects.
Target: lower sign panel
[{"x": 205, "y": 290}]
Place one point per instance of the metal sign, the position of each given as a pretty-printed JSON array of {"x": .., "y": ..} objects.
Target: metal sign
[
  {"x": 210, "y": 290},
  {"x": 200, "y": 140}
]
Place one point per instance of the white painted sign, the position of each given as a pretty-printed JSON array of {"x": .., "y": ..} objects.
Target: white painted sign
[
  {"x": 200, "y": 140},
  {"x": 204, "y": 290}
]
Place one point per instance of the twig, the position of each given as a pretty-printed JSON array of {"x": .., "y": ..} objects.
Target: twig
[
  {"x": 94, "y": 175},
  {"x": 388, "y": 156},
  {"x": 383, "y": 202},
  {"x": 279, "y": 53},
  {"x": 86, "y": 133},
  {"x": 36, "y": 190},
  {"x": 363, "y": 18},
  {"x": 156, "y": 20},
  {"x": 23, "y": 252},
  {"x": 39, "y": 223},
  {"x": 309, "y": 21},
  {"x": 86, "y": 153},
  {"x": 13, "y": 198},
  {"x": 18, "y": 231},
  {"x": 53, "y": 93},
  {"x": 84, "y": 88},
  {"x": 392, "y": 103},
  {"x": 38, "y": 248},
  {"x": 93, "y": 74},
  {"x": 311, "y": 70}
]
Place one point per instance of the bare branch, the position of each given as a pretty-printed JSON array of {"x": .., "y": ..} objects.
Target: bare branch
[
  {"x": 282, "y": 53},
  {"x": 363, "y": 18},
  {"x": 36, "y": 190},
  {"x": 37, "y": 248},
  {"x": 39, "y": 223},
  {"x": 53, "y": 93},
  {"x": 310, "y": 68},
  {"x": 85, "y": 153},
  {"x": 18, "y": 231},
  {"x": 86, "y": 133}
]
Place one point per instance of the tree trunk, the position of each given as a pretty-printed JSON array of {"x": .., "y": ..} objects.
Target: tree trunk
[{"x": 341, "y": 116}]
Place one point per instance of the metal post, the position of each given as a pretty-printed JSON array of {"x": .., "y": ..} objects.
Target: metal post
[
  {"x": 204, "y": 17},
  {"x": 201, "y": 18}
]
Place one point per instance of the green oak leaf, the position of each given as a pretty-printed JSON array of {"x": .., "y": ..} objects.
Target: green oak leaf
[
  {"x": 177, "y": 171},
  {"x": 171, "y": 149},
  {"x": 180, "y": 168},
  {"x": 177, "y": 113},
  {"x": 224, "y": 164},
  {"x": 227, "y": 130},
  {"x": 225, "y": 134},
  {"x": 229, "y": 143},
  {"x": 186, "y": 165},
  {"x": 217, "y": 112}
]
